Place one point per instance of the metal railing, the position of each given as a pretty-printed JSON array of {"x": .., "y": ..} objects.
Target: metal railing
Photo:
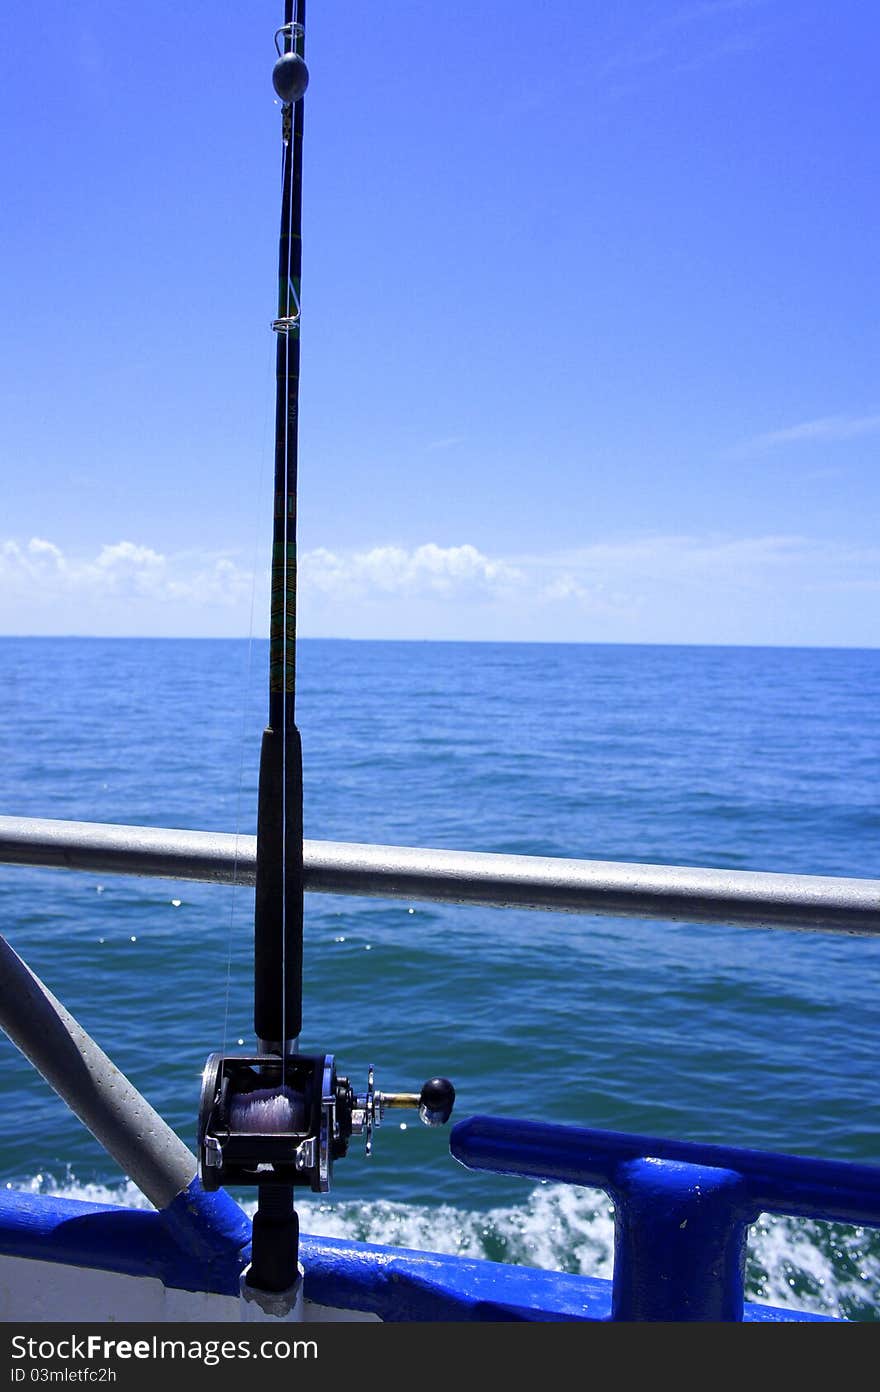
[
  {"x": 616, "y": 888},
  {"x": 196, "y": 1237},
  {"x": 681, "y": 1210}
]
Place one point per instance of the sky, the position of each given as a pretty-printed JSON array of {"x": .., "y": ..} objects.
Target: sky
[{"x": 590, "y": 320}]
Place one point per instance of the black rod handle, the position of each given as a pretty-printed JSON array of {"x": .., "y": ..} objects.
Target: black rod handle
[
  {"x": 274, "y": 1240},
  {"x": 278, "y": 913}
]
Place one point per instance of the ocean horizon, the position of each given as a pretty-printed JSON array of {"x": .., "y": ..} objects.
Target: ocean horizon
[{"x": 456, "y": 642}]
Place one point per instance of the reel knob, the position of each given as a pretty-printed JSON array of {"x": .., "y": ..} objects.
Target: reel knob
[
  {"x": 290, "y": 78},
  {"x": 433, "y": 1104},
  {"x": 436, "y": 1100}
]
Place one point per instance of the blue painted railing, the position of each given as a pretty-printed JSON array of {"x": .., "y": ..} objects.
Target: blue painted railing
[
  {"x": 682, "y": 1214},
  {"x": 681, "y": 1210},
  {"x": 390, "y": 1282}
]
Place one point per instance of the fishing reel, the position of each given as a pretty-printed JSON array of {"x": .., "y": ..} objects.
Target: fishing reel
[{"x": 271, "y": 1120}]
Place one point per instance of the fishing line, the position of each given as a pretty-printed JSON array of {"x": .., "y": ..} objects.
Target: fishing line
[
  {"x": 292, "y": 427},
  {"x": 285, "y": 656},
  {"x": 248, "y": 687},
  {"x": 284, "y": 807},
  {"x": 279, "y": 880},
  {"x": 285, "y": 531}
]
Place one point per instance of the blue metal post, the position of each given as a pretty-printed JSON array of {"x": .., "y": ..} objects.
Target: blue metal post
[{"x": 679, "y": 1241}]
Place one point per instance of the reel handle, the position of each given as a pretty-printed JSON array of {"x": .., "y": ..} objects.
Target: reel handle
[{"x": 434, "y": 1105}]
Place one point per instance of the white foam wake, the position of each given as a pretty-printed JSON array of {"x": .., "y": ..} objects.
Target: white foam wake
[{"x": 821, "y": 1268}]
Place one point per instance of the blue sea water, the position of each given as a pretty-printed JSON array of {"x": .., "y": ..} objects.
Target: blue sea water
[{"x": 748, "y": 758}]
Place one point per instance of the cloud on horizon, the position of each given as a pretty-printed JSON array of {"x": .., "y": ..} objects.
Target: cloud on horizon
[
  {"x": 40, "y": 571},
  {"x": 644, "y": 589}
]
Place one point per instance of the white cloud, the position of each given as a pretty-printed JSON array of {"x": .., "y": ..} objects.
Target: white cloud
[
  {"x": 715, "y": 566},
  {"x": 40, "y": 574},
  {"x": 125, "y": 557},
  {"x": 823, "y": 429},
  {"x": 708, "y": 10},
  {"x": 427, "y": 569},
  {"x": 758, "y": 589},
  {"x": 38, "y": 547},
  {"x": 690, "y": 37},
  {"x": 447, "y": 442}
]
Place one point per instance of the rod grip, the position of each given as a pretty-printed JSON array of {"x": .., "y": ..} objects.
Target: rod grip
[{"x": 278, "y": 912}]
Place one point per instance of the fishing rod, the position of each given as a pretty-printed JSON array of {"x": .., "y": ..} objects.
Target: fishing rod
[
  {"x": 278, "y": 919},
  {"x": 279, "y": 1118}
]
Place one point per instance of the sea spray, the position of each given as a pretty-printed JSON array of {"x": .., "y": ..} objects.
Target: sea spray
[{"x": 799, "y": 1264}]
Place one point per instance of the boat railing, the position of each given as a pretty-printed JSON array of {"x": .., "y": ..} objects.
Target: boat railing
[
  {"x": 619, "y": 889},
  {"x": 682, "y": 1210}
]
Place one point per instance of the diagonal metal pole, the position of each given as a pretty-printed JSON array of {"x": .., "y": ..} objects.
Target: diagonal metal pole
[{"x": 211, "y": 1226}]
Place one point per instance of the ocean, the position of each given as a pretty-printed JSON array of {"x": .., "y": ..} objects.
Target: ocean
[{"x": 758, "y": 758}]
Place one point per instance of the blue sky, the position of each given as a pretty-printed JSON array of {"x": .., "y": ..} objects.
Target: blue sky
[{"x": 590, "y": 320}]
